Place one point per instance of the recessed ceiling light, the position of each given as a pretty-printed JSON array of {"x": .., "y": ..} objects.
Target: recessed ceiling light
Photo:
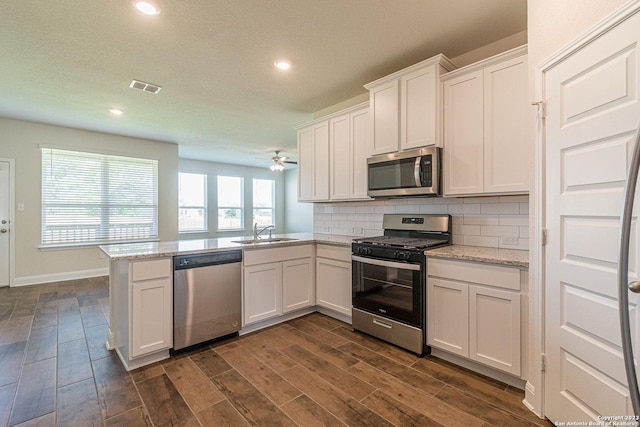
[
  {"x": 115, "y": 111},
  {"x": 147, "y": 7},
  {"x": 283, "y": 65}
]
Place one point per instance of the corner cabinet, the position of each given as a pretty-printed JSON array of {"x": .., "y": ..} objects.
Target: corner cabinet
[
  {"x": 277, "y": 281},
  {"x": 332, "y": 156},
  {"x": 474, "y": 311},
  {"x": 486, "y": 136},
  {"x": 406, "y": 107}
]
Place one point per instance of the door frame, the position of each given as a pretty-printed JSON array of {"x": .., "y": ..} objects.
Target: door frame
[
  {"x": 535, "y": 387},
  {"x": 12, "y": 240}
]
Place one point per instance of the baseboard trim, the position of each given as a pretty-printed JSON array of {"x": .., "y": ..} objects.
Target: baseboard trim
[{"x": 59, "y": 277}]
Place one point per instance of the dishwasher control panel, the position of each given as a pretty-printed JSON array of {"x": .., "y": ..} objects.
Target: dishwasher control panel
[{"x": 203, "y": 260}]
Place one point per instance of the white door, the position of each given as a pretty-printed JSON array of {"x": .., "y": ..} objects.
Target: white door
[
  {"x": 5, "y": 226},
  {"x": 592, "y": 107}
]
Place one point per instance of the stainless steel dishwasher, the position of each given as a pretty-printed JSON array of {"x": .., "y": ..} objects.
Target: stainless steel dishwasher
[{"x": 206, "y": 297}]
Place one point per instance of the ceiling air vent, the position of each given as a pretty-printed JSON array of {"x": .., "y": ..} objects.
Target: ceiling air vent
[{"x": 145, "y": 87}]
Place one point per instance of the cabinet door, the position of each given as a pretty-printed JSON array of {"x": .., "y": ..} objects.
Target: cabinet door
[
  {"x": 418, "y": 108},
  {"x": 305, "y": 164},
  {"x": 333, "y": 285},
  {"x": 384, "y": 105},
  {"x": 360, "y": 150},
  {"x": 297, "y": 284},
  {"x": 507, "y": 157},
  {"x": 494, "y": 328},
  {"x": 340, "y": 151},
  {"x": 321, "y": 161},
  {"x": 151, "y": 316},
  {"x": 448, "y": 316},
  {"x": 463, "y": 134},
  {"x": 262, "y": 286}
]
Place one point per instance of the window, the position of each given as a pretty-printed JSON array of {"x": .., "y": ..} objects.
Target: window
[
  {"x": 263, "y": 190},
  {"x": 192, "y": 202},
  {"x": 97, "y": 198},
  {"x": 230, "y": 207}
]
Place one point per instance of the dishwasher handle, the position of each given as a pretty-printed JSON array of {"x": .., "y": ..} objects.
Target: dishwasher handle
[{"x": 204, "y": 260}]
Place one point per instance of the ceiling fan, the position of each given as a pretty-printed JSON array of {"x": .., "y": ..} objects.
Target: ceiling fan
[{"x": 278, "y": 161}]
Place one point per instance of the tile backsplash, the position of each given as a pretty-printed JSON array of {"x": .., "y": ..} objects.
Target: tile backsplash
[{"x": 498, "y": 222}]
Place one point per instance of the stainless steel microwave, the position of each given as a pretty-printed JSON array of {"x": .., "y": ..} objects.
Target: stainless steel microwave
[{"x": 407, "y": 173}]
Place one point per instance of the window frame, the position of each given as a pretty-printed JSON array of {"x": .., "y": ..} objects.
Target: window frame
[
  {"x": 272, "y": 208},
  {"x": 205, "y": 207},
  {"x": 105, "y": 227},
  {"x": 219, "y": 207}
]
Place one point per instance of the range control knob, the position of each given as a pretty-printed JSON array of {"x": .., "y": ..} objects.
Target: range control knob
[
  {"x": 402, "y": 255},
  {"x": 364, "y": 251}
]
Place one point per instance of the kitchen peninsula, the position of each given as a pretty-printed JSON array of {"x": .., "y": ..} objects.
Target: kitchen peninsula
[{"x": 141, "y": 287}]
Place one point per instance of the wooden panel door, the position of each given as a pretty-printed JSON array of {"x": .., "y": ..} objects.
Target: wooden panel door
[
  {"x": 384, "y": 104},
  {"x": 463, "y": 134},
  {"x": 448, "y": 316},
  {"x": 418, "y": 108},
  {"x": 592, "y": 105},
  {"x": 360, "y": 150},
  {"x": 297, "y": 284},
  {"x": 340, "y": 152},
  {"x": 494, "y": 328},
  {"x": 507, "y": 158},
  {"x": 262, "y": 292}
]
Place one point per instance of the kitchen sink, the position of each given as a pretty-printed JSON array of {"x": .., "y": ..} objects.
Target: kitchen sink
[{"x": 266, "y": 240}]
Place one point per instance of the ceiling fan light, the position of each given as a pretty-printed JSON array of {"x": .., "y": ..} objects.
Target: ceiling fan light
[{"x": 276, "y": 167}]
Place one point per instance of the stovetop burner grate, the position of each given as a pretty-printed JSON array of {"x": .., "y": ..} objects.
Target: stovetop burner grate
[{"x": 402, "y": 242}]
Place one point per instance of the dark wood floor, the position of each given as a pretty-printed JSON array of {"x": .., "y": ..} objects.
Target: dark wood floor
[{"x": 55, "y": 370}]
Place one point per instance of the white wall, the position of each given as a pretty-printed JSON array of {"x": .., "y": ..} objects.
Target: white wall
[
  {"x": 298, "y": 216},
  {"x": 212, "y": 170},
  {"x": 21, "y": 140}
]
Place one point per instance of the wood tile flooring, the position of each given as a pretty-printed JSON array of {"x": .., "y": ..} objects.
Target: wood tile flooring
[{"x": 55, "y": 370}]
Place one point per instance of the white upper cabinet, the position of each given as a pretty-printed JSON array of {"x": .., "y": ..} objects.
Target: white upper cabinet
[
  {"x": 406, "y": 107},
  {"x": 313, "y": 162},
  {"x": 485, "y": 127},
  {"x": 332, "y": 156}
]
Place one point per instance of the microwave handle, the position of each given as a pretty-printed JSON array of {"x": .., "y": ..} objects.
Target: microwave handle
[{"x": 417, "y": 172}]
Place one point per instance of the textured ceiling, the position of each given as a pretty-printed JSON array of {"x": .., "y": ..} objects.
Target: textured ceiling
[{"x": 67, "y": 62}]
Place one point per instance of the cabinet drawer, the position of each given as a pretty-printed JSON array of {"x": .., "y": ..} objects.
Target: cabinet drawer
[
  {"x": 152, "y": 269},
  {"x": 263, "y": 256},
  {"x": 485, "y": 274},
  {"x": 334, "y": 252}
]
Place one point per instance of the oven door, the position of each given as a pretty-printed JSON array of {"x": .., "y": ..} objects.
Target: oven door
[{"x": 388, "y": 288}]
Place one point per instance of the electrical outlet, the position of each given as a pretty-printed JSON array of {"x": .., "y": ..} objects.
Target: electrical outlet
[{"x": 508, "y": 240}]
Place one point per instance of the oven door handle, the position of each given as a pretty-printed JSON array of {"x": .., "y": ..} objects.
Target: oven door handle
[{"x": 382, "y": 263}]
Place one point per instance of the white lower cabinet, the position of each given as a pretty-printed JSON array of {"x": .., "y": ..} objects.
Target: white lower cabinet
[
  {"x": 473, "y": 311},
  {"x": 151, "y": 306},
  {"x": 262, "y": 292},
  {"x": 297, "y": 278},
  {"x": 277, "y": 281},
  {"x": 333, "y": 278}
]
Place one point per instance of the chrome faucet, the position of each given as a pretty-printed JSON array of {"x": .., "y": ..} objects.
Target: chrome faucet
[{"x": 256, "y": 232}]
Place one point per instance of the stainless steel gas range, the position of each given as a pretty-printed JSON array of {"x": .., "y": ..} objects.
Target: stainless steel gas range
[{"x": 389, "y": 278}]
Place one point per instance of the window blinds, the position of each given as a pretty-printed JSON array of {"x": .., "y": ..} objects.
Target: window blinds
[{"x": 97, "y": 198}]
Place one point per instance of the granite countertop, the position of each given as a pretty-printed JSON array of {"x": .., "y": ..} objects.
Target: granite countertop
[
  {"x": 130, "y": 251},
  {"x": 507, "y": 257}
]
